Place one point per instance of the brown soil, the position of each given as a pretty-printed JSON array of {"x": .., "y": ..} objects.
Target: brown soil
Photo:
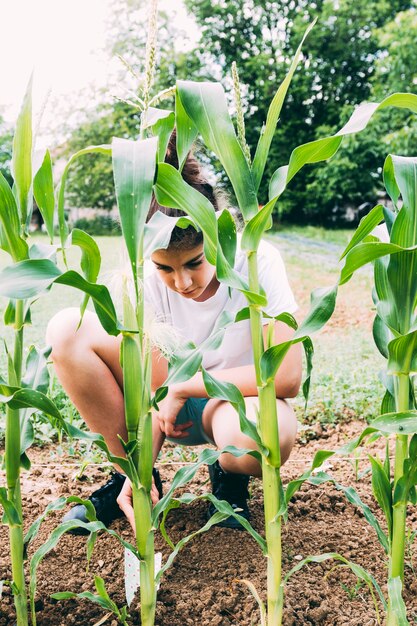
[{"x": 201, "y": 587}]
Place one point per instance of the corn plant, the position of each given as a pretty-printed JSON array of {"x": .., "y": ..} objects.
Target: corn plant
[
  {"x": 395, "y": 335},
  {"x": 201, "y": 108},
  {"x": 24, "y": 391}
]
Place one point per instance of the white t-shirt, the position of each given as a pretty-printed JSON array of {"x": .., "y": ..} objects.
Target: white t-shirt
[{"x": 196, "y": 320}]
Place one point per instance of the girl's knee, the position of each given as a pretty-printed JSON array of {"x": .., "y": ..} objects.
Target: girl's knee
[{"x": 62, "y": 331}]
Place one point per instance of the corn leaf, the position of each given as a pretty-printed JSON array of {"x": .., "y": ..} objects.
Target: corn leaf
[
  {"x": 30, "y": 278},
  {"x": 56, "y": 505},
  {"x": 322, "y": 305},
  {"x": 90, "y": 259},
  {"x": 366, "y": 252},
  {"x": 381, "y": 487},
  {"x": 229, "y": 392},
  {"x": 294, "y": 485},
  {"x": 161, "y": 122},
  {"x": 159, "y": 229},
  {"x": 227, "y": 236},
  {"x": 404, "y": 490},
  {"x": 134, "y": 164},
  {"x": 12, "y": 517},
  {"x": 186, "y": 132},
  {"x": 403, "y": 423},
  {"x": 267, "y": 133},
  {"x": 21, "y": 398},
  {"x": 205, "y": 103},
  {"x": 172, "y": 191},
  {"x": 10, "y": 240},
  {"x": 366, "y": 226},
  {"x": 382, "y": 335},
  {"x": 257, "y": 225},
  {"x": 63, "y": 228},
  {"x": 185, "y": 474},
  {"x": 43, "y": 190},
  {"x": 396, "y": 602},
  {"x": 390, "y": 182},
  {"x": 323, "y": 149},
  {"x": 22, "y": 158},
  {"x": 403, "y": 354}
]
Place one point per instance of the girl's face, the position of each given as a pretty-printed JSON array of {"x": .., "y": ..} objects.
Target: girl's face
[{"x": 187, "y": 272}]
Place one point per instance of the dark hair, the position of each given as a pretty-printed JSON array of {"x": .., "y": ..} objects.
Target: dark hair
[{"x": 184, "y": 238}]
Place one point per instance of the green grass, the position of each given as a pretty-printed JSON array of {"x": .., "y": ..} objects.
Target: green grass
[{"x": 346, "y": 363}]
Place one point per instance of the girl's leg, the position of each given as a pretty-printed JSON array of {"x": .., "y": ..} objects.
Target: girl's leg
[
  {"x": 221, "y": 424},
  {"x": 88, "y": 366}
]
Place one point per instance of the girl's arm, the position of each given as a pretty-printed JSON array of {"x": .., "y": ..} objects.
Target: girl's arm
[{"x": 287, "y": 380}]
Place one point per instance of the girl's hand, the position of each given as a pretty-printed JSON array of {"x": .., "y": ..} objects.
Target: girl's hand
[
  {"x": 169, "y": 408},
  {"x": 125, "y": 500}
]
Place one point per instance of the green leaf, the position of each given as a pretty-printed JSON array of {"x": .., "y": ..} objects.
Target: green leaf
[
  {"x": 161, "y": 122},
  {"x": 37, "y": 375},
  {"x": 22, "y": 398},
  {"x": 381, "y": 487},
  {"x": 323, "y": 302},
  {"x": 364, "y": 253},
  {"x": 30, "y": 278},
  {"x": 10, "y": 240},
  {"x": 27, "y": 279},
  {"x": 256, "y": 226},
  {"x": 403, "y": 354},
  {"x": 172, "y": 191},
  {"x": 10, "y": 315},
  {"x": 382, "y": 335},
  {"x": 366, "y": 226},
  {"x": 402, "y": 423},
  {"x": 229, "y": 392},
  {"x": 186, "y": 131},
  {"x": 323, "y": 149},
  {"x": 57, "y": 505},
  {"x": 185, "y": 474},
  {"x": 390, "y": 182},
  {"x": 309, "y": 353},
  {"x": 12, "y": 517},
  {"x": 227, "y": 236},
  {"x": 396, "y": 602},
  {"x": 43, "y": 190},
  {"x": 267, "y": 133},
  {"x": 134, "y": 164},
  {"x": 22, "y": 158},
  {"x": 272, "y": 358},
  {"x": 159, "y": 229},
  {"x": 294, "y": 485},
  {"x": 205, "y": 103},
  {"x": 63, "y": 228},
  {"x": 90, "y": 259}
]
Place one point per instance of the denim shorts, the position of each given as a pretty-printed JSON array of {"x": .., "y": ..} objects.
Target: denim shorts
[{"x": 192, "y": 411}]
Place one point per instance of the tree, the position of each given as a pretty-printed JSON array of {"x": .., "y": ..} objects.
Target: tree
[{"x": 340, "y": 61}]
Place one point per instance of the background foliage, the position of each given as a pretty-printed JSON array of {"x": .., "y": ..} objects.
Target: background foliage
[{"x": 357, "y": 51}]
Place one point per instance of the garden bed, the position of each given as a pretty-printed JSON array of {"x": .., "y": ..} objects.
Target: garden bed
[{"x": 201, "y": 587}]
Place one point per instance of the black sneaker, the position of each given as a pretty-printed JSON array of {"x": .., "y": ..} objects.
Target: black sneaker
[
  {"x": 105, "y": 502},
  {"x": 234, "y": 489}
]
